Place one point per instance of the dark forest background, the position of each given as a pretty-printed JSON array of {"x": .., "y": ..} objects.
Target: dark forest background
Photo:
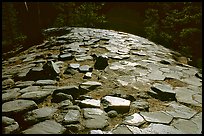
[{"x": 176, "y": 25}]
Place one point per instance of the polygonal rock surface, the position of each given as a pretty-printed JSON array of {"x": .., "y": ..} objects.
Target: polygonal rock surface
[
  {"x": 160, "y": 129},
  {"x": 186, "y": 126},
  {"x": 157, "y": 117},
  {"x": 116, "y": 103},
  {"x": 17, "y": 106},
  {"x": 181, "y": 111},
  {"x": 46, "y": 127}
]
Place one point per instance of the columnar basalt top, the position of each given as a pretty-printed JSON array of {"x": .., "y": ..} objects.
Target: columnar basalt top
[{"x": 95, "y": 81}]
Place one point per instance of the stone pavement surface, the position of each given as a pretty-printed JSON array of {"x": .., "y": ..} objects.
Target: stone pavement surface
[{"x": 95, "y": 81}]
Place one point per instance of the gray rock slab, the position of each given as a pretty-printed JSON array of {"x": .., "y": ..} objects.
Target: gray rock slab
[
  {"x": 85, "y": 68},
  {"x": 11, "y": 90},
  {"x": 98, "y": 131},
  {"x": 134, "y": 119},
  {"x": 64, "y": 104},
  {"x": 95, "y": 118},
  {"x": 83, "y": 58},
  {"x": 74, "y": 65},
  {"x": 45, "y": 82},
  {"x": 72, "y": 90},
  {"x": 180, "y": 111},
  {"x": 36, "y": 95},
  {"x": 88, "y": 75},
  {"x": 185, "y": 95},
  {"x": 198, "y": 98},
  {"x": 9, "y": 125},
  {"x": 90, "y": 85},
  {"x": 163, "y": 91},
  {"x": 112, "y": 113},
  {"x": 116, "y": 103},
  {"x": 193, "y": 81},
  {"x": 96, "y": 123},
  {"x": 10, "y": 96},
  {"x": 45, "y": 127},
  {"x": 72, "y": 117},
  {"x": 61, "y": 97},
  {"x": 157, "y": 117},
  {"x": 66, "y": 56},
  {"x": 30, "y": 89},
  {"x": 156, "y": 75},
  {"x": 22, "y": 84},
  {"x": 186, "y": 126},
  {"x": 39, "y": 115},
  {"x": 17, "y": 106},
  {"x": 90, "y": 103},
  {"x": 91, "y": 113},
  {"x": 141, "y": 105},
  {"x": 197, "y": 119},
  {"x": 122, "y": 129},
  {"x": 160, "y": 129},
  {"x": 7, "y": 83}
]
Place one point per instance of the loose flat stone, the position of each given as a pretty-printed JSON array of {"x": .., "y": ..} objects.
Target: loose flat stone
[
  {"x": 39, "y": 115},
  {"x": 51, "y": 69},
  {"x": 100, "y": 132},
  {"x": 88, "y": 75},
  {"x": 141, "y": 105},
  {"x": 157, "y": 117},
  {"x": 90, "y": 103},
  {"x": 116, "y": 103},
  {"x": 83, "y": 58},
  {"x": 9, "y": 125},
  {"x": 36, "y": 95},
  {"x": 93, "y": 113},
  {"x": 74, "y": 65},
  {"x": 186, "y": 126},
  {"x": 164, "y": 91},
  {"x": 7, "y": 83},
  {"x": 67, "y": 89},
  {"x": 134, "y": 119},
  {"x": 90, "y": 85},
  {"x": 67, "y": 56},
  {"x": 45, "y": 127},
  {"x": 58, "y": 97},
  {"x": 85, "y": 68},
  {"x": 72, "y": 117},
  {"x": 18, "y": 106},
  {"x": 180, "y": 111},
  {"x": 45, "y": 82}
]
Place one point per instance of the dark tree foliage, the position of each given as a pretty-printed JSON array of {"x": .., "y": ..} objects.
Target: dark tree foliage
[{"x": 177, "y": 26}]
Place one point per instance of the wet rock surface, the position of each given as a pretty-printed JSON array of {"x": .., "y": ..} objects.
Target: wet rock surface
[{"x": 95, "y": 81}]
